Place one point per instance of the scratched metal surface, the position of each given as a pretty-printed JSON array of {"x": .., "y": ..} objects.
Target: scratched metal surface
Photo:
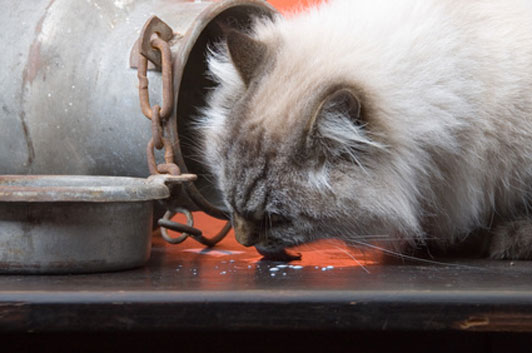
[{"x": 230, "y": 287}]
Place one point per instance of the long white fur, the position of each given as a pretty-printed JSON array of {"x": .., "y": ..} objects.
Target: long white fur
[{"x": 450, "y": 79}]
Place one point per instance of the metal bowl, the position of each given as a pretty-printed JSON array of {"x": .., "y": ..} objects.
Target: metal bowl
[{"x": 75, "y": 224}]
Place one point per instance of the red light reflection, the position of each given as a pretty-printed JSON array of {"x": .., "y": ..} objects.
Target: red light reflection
[{"x": 321, "y": 253}]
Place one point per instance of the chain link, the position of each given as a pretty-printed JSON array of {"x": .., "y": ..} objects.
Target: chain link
[
  {"x": 168, "y": 84},
  {"x": 188, "y": 230},
  {"x": 156, "y": 127},
  {"x": 165, "y": 224}
]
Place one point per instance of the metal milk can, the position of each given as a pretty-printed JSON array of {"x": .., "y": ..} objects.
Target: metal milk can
[
  {"x": 69, "y": 101},
  {"x": 71, "y": 76}
]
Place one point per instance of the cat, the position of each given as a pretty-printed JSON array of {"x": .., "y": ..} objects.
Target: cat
[{"x": 382, "y": 123}]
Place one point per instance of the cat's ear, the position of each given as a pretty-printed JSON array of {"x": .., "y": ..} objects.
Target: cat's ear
[
  {"x": 337, "y": 126},
  {"x": 342, "y": 104},
  {"x": 246, "y": 53}
]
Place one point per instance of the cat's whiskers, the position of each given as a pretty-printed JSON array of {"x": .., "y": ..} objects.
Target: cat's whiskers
[
  {"x": 332, "y": 241},
  {"x": 408, "y": 257},
  {"x": 354, "y": 259}
]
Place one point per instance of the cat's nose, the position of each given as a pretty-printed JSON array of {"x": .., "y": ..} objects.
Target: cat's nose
[
  {"x": 246, "y": 239},
  {"x": 245, "y": 232}
]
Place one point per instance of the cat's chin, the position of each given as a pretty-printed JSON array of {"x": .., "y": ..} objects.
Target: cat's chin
[{"x": 279, "y": 254}]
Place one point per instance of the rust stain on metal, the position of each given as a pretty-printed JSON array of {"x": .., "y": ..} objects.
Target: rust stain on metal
[
  {"x": 38, "y": 28},
  {"x": 33, "y": 64},
  {"x": 27, "y": 138},
  {"x": 30, "y": 72},
  {"x": 501, "y": 322}
]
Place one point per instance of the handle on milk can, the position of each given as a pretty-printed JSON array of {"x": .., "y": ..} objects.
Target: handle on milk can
[
  {"x": 188, "y": 230},
  {"x": 153, "y": 46}
]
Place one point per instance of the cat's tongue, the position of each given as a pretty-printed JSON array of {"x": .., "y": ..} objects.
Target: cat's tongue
[{"x": 278, "y": 255}]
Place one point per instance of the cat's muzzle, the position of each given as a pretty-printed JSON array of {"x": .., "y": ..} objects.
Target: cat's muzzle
[
  {"x": 277, "y": 254},
  {"x": 246, "y": 239},
  {"x": 247, "y": 234},
  {"x": 245, "y": 231}
]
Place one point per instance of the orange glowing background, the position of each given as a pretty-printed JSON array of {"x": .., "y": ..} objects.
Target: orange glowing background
[
  {"x": 322, "y": 253},
  {"x": 292, "y": 5}
]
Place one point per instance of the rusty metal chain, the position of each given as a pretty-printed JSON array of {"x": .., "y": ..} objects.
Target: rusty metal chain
[
  {"x": 157, "y": 50},
  {"x": 155, "y": 113},
  {"x": 188, "y": 230},
  {"x": 168, "y": 83}
]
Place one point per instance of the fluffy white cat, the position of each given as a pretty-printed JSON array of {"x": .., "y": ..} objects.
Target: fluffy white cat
[{"x": 363, "y": 119}]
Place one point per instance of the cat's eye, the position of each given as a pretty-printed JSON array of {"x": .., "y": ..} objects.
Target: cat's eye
[{"x": 276, "y": 219}]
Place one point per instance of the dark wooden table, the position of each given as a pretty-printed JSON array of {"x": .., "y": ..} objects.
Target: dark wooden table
[{"x": 229, "y": 289}]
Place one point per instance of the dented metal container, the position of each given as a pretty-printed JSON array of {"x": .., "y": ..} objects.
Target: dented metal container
[
  {"x": 72, "y": 224},
  {"x": 69, "y": 99}
]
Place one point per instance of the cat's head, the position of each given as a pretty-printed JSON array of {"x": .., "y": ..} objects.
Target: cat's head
[{"x": 298, "y": 151}]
